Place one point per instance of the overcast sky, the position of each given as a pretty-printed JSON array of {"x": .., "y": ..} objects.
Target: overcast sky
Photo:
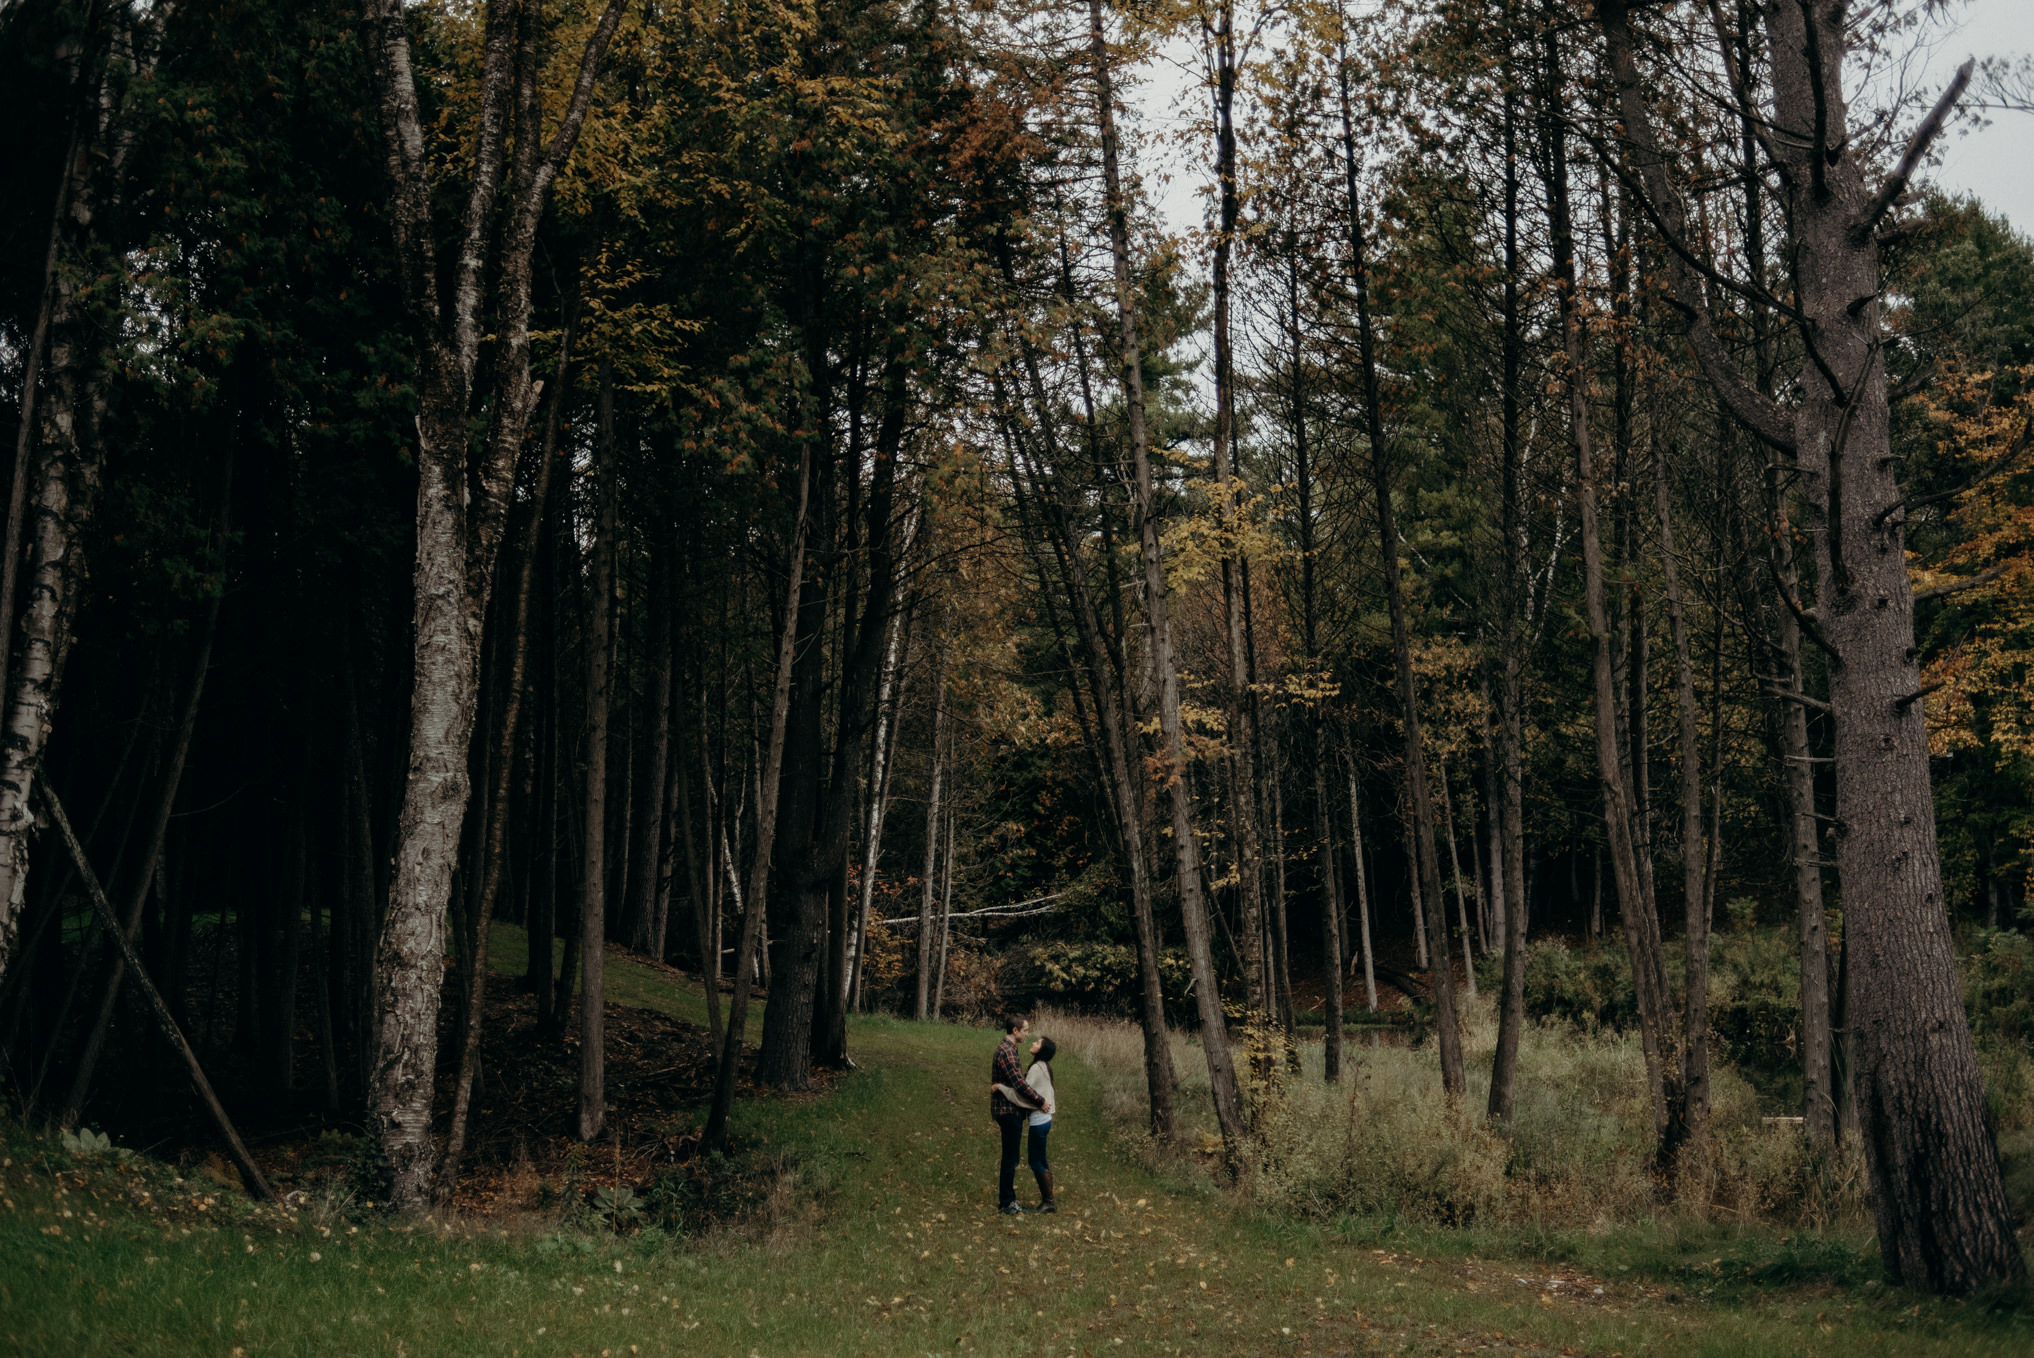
[{"x": 1996, "y": 162}]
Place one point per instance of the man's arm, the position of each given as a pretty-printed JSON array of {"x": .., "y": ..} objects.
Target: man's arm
[{"x": 1009, "y": 1073}]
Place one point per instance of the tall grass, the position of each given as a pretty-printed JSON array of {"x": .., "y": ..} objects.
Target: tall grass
[{"x": 1384, "y": 1142}]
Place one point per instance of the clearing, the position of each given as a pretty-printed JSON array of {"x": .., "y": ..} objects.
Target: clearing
[{"x": 877, "y": 1235}]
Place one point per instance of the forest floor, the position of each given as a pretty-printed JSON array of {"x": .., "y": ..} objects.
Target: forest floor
[{"x": 870, "y": 1229}]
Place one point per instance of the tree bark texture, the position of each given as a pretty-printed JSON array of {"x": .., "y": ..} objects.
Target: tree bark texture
[
  {"x": 494, "y": 848},
  {"x": 62, "y": 475},
  {"x": 462, "y": 499},
  {"x": 1944, "y": 1222}
]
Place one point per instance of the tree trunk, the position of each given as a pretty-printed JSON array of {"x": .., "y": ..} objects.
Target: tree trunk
[
  {"x": 1425, "y": 866},
  {"x": 881, "y": 753},
  {"x": 156, "y": 829},
  {"x": 945, "y": 912},
  {"x": 1507, "y": 777},
  {"x": 1635, "y": 907},
  {"x": 1228, "y": 494},
  {"x": 1331, "y": 914},
  {"x": 1409, "y": 841},
  {"x": 1172, "y": 752},
  {"x": 59, "y": 482},
  {"x": 1362, "y": 892},
  {"x": 250, "y": 1174},
  {"x": 646, "y": 841},
  {"x": 493, "y": 846},
  {"x": 700, "y": 865},
  {"x": 1455, "y": 867},
  {"x": 541, "y": 927},
  {"x": 1694, "y": 856},
  {"x": 1797, "y": 784},
  {"x": 1043, "y": 492},
  {"x": 462, "y": 502},
  {"x": 934, "y": 808},
  {"x": 1944, "y": 1221},
  {"x": 593, "y": 885},
  {"x": 768, "y": 777}
]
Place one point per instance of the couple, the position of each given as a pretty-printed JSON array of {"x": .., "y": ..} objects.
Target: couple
[{"x": 1014, "y": 1100}]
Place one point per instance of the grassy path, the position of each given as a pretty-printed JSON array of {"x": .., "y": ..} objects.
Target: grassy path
[{"x": 888, "y": 1246}]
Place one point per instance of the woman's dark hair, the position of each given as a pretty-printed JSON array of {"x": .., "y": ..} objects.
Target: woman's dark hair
[{"x": 1046, "y": 1050}]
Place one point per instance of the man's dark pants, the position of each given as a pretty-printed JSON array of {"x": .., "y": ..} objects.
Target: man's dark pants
[{"x": 1012, "y": 1126}]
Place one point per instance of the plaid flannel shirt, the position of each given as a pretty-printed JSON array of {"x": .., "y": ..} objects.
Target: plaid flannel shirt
[{"x": 1004, "y": 1070}]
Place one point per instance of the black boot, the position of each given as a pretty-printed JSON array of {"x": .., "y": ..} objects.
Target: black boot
[{"x": 1045, "y": 1202}]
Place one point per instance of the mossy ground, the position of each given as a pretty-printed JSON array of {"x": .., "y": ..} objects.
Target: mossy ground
[{"x": 881, "y": 1239}]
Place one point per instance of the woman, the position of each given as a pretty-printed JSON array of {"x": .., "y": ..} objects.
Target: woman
[{"x": 1039, "y": 1081}]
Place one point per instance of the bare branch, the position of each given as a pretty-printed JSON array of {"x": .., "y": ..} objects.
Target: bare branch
[
  {"x": 1902, "y": 704},
  {"x": 1984, "y": 577},
  {"x": 1746, "y": 112},
  {"x": 1912, "y": 383},
  {"x": 1759, "y": 413},
  {"x": 1917, "y": 147}
]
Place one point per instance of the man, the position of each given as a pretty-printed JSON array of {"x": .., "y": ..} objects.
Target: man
[{"x": 1006, "y": 1070}]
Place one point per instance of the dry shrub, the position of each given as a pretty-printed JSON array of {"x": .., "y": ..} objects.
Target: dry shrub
[
  {"x": 972, "y": 991},
  {"x": 1383, "y": 1143}
]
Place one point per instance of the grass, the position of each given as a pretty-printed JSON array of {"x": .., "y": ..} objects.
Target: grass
[{"x": 880, "y": 1239}]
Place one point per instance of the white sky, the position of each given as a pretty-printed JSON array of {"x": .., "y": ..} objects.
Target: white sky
[{"x": 1995, "y": 162}]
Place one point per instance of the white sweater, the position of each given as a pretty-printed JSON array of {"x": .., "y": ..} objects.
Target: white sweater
[{"x": 1039, "y": 1077}]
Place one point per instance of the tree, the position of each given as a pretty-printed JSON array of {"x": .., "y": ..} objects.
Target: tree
[
  {"x": 462, "y": 500},
  {"x": 1943, "y": 1220}
]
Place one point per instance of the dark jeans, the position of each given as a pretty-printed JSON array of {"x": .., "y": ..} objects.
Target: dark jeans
[
  {"x": 1039, "y": 1165},
  {"x": 1012, "y": 1128}
]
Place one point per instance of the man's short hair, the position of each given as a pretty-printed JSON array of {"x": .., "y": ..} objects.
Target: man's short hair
[{"x": 1012, "y": 1022}]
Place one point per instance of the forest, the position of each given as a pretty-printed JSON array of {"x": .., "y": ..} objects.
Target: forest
[{"x": 1507, "y": 640}]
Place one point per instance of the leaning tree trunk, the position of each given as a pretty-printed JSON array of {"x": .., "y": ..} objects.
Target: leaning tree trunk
[
  {"x": 1116, "y": 712},
  {"x": 156, "y": 831},
  {"x": 1043, "y": 493},
  {"x": 1635, "y": 905},
  {"x": 60, "y": 480},
  {"x": 1455, "y": 868},
  {"x": 769, "y": 776},
  {"x": 1362, "y": 893},
  {"x": 1172, "y": 749}
]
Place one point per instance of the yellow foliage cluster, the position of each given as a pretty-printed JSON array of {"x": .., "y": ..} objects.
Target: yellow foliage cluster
[{"x": 1981, "y": 683}]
